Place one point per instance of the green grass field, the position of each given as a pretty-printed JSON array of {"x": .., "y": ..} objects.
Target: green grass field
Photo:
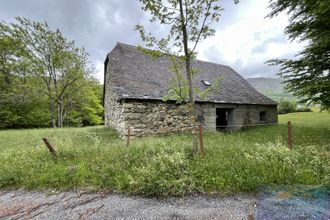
[{"x": 95, "y": 158}]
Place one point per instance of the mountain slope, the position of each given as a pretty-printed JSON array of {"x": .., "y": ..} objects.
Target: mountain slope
[{"x": 271, "y": 87}]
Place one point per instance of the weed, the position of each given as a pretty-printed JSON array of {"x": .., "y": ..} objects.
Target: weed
[{"x": 97, "y": 158}]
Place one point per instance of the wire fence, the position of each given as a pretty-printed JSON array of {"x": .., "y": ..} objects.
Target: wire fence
[
  {"x": 76, "y": 137},
  {"x": 240, "y": 125}
]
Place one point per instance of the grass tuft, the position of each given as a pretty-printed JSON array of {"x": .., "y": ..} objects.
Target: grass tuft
[{"x": 97, "y": 158}]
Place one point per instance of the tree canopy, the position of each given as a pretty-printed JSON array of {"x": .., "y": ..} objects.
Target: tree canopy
[
  {"x": 45, "y": 78},
  {"x": 188, "y": 22},
  {"x": 308, "y": 74}
]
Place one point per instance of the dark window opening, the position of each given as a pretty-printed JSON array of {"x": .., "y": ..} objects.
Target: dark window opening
[{"x": 263, "y": 116}]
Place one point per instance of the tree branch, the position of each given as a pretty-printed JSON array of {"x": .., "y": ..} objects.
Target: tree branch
[{"x": 201, "y": 30}]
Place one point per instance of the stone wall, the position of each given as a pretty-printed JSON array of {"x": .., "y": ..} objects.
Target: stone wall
[
  {"x": 240, "y": 115},
  {"x": 250, "y": 114},
  {"x": 113, "y": 110},
  {"x": 155, "y": 117}
]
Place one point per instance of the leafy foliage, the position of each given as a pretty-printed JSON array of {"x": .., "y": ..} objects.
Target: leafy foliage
[
  {"x": 286, "y": 106},
  {"x": 307, "y": 76},
  {"x": 289, "y": 106},
  {"x": 44, "y": 78},
  {"x": 303, "y": 109},
  {"x": 189, "y": 22}
]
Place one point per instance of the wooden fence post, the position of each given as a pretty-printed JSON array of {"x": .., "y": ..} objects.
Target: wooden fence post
[
  {"x": 50, "y": 148},
  {"x": 250, "y": 216},
  {"x": 201, "y": 141},
  {"x": 289, "y": 135},
  {"x": 128, "y": 135}
]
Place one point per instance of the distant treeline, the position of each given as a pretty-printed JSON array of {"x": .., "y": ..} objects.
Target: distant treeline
[{"x": 45, "y": 79}]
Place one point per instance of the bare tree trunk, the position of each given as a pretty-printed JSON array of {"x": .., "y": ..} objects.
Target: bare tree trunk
[
  {"x": 186, "y": 53},
  {"x": 51, "y": 110},
  {"x": 188, "y": 74},
  {"x": 7, "y": 79},
  {"x": 60, "y": 111},
  {"x": 51, "y": 107}
]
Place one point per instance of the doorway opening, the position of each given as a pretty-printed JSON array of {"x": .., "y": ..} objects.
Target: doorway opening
[{"x": 223, "y": 118}]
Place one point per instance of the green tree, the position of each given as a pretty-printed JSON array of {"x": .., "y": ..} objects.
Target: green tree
[
  {"x": 58, "y": 69},
  {"x": 307, "y": 75},
  {"x": 189, "y": 22},
  {"x": 85, "y": 109},
  {"x": 21, "y": 105}
]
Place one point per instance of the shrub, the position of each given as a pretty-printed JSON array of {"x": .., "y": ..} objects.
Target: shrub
[
  {"x": 303, "y": 109},
  {"x": 286, "y": 106}
]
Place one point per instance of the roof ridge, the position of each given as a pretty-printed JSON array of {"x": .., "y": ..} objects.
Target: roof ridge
[
  {"x": 132, "y": 65},
  {"x": 203, "y": 61},
  {"x": 136, "y": 47},
  {"x": 126, "y": 45}
]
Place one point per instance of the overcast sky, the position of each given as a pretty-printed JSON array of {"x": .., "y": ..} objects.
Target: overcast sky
[{"x": 244, "y": 38}]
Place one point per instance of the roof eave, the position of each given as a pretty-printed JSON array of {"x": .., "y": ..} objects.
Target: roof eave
[{"x": 197, "y": 101}]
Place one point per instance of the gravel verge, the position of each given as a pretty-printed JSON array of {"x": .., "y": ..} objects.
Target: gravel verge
[
  {"x": 21, "y": 204},
  {"x": 286, "y": 202}
]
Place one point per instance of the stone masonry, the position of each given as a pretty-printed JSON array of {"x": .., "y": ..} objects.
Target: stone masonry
[
  {"x": 135, "y": 84},
  {"x": 148, "y": 117},
  {"x": 145, "y": 117}
]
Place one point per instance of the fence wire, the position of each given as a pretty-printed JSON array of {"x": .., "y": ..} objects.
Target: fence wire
[{"x": 37, "y": 141}]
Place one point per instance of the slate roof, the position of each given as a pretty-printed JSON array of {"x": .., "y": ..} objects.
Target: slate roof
[{"x": 135, "y": 75}]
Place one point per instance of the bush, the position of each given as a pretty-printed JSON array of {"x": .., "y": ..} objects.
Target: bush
[
  {"x": 286, "y": 106},
  {"x": 303, "y": 109}
]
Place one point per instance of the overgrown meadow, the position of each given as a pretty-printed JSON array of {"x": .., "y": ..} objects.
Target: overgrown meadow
[{"x": 96, "y": 158}]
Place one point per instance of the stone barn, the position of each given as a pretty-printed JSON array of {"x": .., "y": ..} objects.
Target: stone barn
[{"x": 135, "y": 84}]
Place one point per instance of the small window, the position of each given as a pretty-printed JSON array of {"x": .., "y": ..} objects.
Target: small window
[
  {"x": 263, "y": 116},
  {"x": 206, "y": 83}
]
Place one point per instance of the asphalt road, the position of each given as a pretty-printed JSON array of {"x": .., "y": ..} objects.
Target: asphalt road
[
  {"x": 21, "y": 204},
  {"x": 286, "y": 202}
]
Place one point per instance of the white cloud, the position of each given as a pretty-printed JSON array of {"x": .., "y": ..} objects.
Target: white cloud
[
  {"x": 250, "y": 41},
  {"x": 99, "y": 68},
  {"x": 244, "y": 38}
]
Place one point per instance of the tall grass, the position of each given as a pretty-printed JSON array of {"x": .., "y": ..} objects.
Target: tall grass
[{"x": 97, "y": 158}]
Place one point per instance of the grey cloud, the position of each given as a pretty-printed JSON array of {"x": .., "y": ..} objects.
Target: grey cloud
[
  {"x": 231, "y": 13},
  {"x": 262, "y": 46},
  {"x": 214, "y": 55},
  {"x": 95, "y": 25},
  {"x": 252, "y": 69},
  {"x": 257, "y": 68},
  {"x": 278, "y": 38}
]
